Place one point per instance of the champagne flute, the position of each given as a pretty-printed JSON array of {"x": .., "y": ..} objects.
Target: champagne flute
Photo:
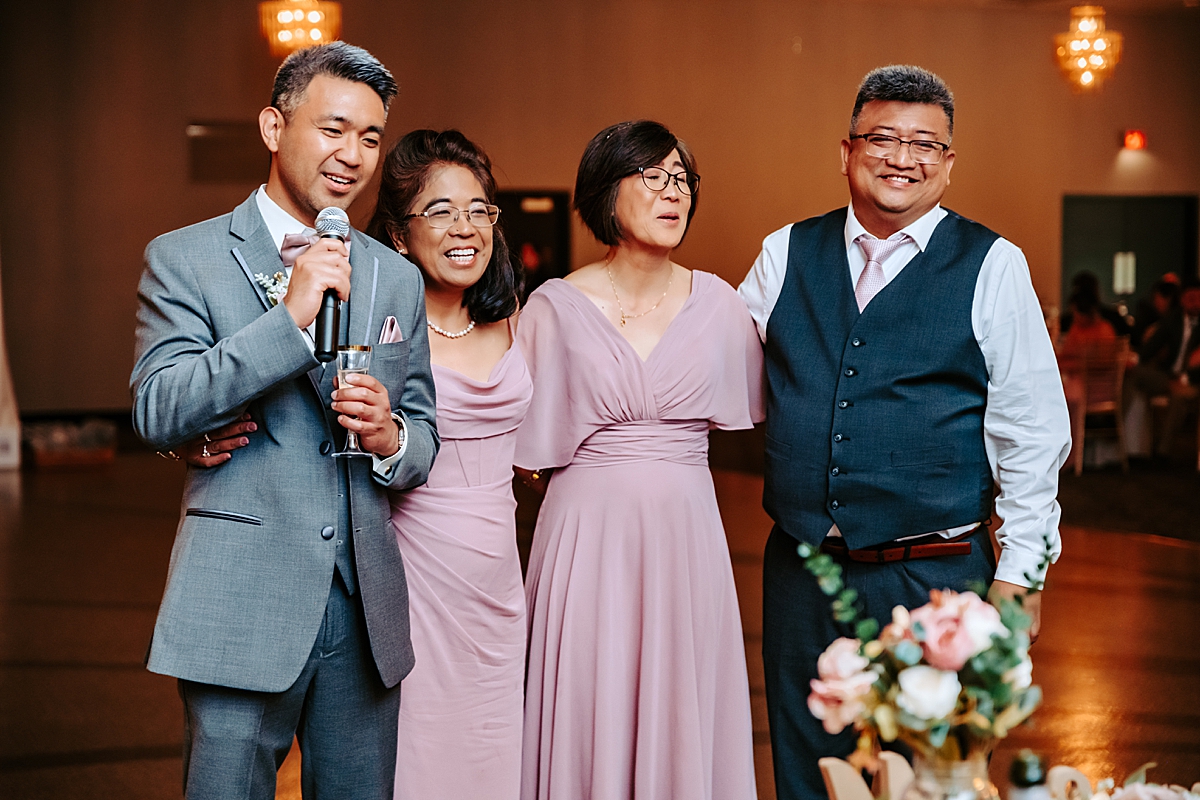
[{"x": 352, "y": 359}]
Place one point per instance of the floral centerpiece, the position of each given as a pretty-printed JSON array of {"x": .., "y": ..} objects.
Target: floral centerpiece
[
  {"x": 1136, "y": 788},
  {"x": 947, "y": 679}
]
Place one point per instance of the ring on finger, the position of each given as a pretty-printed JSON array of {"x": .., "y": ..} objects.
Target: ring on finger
[
  {"x": 204, "y": 452},
  {"x": 207, "y": 439}
]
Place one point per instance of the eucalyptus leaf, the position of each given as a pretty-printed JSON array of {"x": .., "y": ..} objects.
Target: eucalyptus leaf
[{"x": 866, "y": 629}]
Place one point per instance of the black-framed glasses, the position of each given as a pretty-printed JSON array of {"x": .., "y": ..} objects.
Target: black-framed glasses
[
  {"x": 481, "y": 216},
  {"x": 923, "y": 151},
  {"x": 657, "y": 179}
]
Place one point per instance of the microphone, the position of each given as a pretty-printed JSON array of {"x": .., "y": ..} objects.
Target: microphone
[{"x": 332, "y": 223}]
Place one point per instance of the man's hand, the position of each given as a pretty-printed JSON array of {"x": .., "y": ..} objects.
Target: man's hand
[
  {"x": 365, "y": 409},
  {"x": 325, "y": 265},
  {"x": 1032, "y": 605},
  {"x": 219, "y": 443}
]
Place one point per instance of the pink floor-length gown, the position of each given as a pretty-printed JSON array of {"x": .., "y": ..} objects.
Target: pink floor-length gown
[
  {"x": 637, "y": 684},
  {"x": 460, "y": 708}
]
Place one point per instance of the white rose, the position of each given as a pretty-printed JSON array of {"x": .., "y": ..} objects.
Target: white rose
[
  {"x": 928, "y": 693},
  {"x": 981, "y": 621},
  {"x": 1020, "y": 676}
]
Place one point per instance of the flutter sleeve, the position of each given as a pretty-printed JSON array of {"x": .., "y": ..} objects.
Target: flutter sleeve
[
  {"x": 738, "y": 400},
  {"x": 561, "y": 414}
]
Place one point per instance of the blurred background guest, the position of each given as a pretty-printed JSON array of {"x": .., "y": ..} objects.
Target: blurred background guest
[{"x": 1085, "y": 288}]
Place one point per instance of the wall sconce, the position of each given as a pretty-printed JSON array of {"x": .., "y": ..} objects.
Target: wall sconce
[
  {"x": 1135, "y": 140},
  {"x": 1087, "y": 53},
  {"x": 291, "y": 25}
]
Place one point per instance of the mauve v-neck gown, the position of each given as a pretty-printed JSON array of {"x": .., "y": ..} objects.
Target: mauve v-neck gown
[
  {"x": 636, "y": 684},
  {"x": 460, "y": 708}
]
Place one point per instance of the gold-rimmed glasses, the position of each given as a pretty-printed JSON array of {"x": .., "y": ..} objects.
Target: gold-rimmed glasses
[{"x": 481, "y": 216}]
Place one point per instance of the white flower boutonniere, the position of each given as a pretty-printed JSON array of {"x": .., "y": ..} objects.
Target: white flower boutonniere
[{"x": 276, "y": 285}]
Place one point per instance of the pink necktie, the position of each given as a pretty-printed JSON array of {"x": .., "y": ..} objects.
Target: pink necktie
[
  {"x": 876, "y": 250},
  {"x": 294, "y": 244}
]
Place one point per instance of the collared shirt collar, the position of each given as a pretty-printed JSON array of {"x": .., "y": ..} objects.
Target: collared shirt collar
[
  {"x": 921, "y": 231},
  {"x": 279, "y": 222}
]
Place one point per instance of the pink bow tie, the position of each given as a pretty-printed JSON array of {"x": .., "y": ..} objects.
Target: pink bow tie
[{"x": 294, "y": 244}]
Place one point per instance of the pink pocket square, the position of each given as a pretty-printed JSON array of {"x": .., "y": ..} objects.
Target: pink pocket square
[{"x": 391, "y": 332}]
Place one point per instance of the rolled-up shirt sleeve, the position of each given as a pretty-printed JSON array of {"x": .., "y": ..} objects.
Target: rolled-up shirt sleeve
[{"x": 1026, "y": 428}]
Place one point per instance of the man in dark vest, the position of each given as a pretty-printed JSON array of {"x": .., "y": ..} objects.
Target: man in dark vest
[{"x": 908, "y": 369}]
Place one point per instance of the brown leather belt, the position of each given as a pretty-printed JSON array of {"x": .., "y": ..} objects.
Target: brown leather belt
[{"x": 926, "y": 547}]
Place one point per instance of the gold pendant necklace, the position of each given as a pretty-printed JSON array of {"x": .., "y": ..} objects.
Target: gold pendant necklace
[{"x": 621, "y": 309}]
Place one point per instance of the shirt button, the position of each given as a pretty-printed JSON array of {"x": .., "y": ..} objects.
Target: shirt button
[
  {"x": 856, "y": 342},
  {"x": 327, "y": 532},
  {"x": 835, "y": 504},
  {"x": 326, "y": 448},
  {"x": 835, "y": 471},
  {"x": 837, "y": 437},
  {"x": 851, "y": 372},
  {"x": 843, "y": 404}
]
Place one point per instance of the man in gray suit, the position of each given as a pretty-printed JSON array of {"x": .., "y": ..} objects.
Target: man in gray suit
[{"x": 286, "y": 611}]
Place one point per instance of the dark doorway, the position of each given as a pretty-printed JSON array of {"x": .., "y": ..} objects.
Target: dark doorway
[{"x": 1160, "y": 232}]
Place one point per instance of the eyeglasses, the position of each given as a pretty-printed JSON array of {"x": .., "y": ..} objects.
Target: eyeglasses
[
  {"x": 445, "y": 216},
  {"x": 923, "y": 151},
  {"x": 657, "y": 179}
]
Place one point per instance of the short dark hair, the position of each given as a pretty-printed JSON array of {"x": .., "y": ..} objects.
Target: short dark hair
[
  {"x": 1168, "y": 290},
  {"x": 496, "y": 295},
  {"x": 905, "y": 84},
  {"x": 614, "y": 154},
  {"x": 337, "y": 60}
]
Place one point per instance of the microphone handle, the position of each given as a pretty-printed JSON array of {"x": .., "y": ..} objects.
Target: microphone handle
[{"x": 326, "y": 335}]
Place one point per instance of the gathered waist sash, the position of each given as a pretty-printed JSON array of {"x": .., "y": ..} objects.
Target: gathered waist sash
[{"x": 676, "y": 441}]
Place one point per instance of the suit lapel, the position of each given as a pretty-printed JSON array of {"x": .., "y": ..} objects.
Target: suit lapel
[
  {"x": 360, "y": 310},
  {"x": 256, "y": 253}
]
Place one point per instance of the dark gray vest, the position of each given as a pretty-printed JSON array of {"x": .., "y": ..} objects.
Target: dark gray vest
[{"x": 875, "y": 420}]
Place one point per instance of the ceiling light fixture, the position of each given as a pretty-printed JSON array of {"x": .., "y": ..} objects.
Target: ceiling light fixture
[
  {"x": 291, "y": 25},
  {"x": 1087, "y": 53}
]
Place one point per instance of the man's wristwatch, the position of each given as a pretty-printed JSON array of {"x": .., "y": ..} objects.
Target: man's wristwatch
[{"x": 399, "y": 432}]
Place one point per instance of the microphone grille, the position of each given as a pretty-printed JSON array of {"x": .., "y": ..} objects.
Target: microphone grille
[{"x": 332, "y": 221}]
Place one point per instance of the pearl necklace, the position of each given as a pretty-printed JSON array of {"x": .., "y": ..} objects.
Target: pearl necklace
[{"x": 448, "y": 334}]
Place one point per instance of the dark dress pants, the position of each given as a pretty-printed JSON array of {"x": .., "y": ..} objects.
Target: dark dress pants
[
  {"x": 343, "y": 715},
  {"x": 798, "y": 625}
]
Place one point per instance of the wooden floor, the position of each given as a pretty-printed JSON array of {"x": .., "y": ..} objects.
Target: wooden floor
[{"x": 83, "y": 556}]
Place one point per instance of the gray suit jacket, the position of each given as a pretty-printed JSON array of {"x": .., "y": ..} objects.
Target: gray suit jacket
[{"x": 250, "y": 570}]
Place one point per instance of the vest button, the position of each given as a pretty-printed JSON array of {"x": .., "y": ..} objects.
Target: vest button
[
  {"x": 851, "y": 372},
  {"x": 835, "y": 471},
  {"x": 843, "y": 404},
  {"x": 835, "y": 504},
  {"x": 856, "y": 342},
  {"x": 837, "y": 437},
  {"x": 326, "y": 448},
  {"x": 327, "y": 532}
]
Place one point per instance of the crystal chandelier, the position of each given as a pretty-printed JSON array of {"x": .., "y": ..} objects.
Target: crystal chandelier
[
  {"x": 1087, "y": 54},
  {"x": 290, "y": 25}
]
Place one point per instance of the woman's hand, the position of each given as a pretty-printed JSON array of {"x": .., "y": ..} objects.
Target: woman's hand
[
  {"x": 365, "y": 408},
  {"x": 536, "y": 479},
  {"x": 216, "y": 447}
]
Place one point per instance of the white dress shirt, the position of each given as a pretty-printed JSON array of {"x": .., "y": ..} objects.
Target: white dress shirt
[
  {"x": 279, "y": 224},
  {"x": 1025, "y": 425}
]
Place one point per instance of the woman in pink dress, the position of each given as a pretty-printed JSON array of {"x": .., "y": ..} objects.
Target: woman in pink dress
[
  {"x": 460, "y": 709},
  {"x": 637, "y": 682}
]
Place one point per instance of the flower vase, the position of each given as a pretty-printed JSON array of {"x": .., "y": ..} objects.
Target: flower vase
[{"x": 939, "y": 779}]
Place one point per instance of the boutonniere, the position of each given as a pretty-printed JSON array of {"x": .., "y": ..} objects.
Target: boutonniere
[{"x": 276, "y": 285}]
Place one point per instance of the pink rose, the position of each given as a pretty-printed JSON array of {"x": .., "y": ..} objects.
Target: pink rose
[
  {"x": 836, "y": 699},
  {"x": 841, "y": 660},
  {"x": 955, "y": 627}
]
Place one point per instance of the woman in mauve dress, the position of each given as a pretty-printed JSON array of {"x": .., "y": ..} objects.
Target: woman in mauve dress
[
  {"x": 460, "y": 709},
  {"x": 636, "y": 682}
]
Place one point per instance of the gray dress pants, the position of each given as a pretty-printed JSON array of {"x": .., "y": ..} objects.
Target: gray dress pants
[{"x": 344, "y": 717}]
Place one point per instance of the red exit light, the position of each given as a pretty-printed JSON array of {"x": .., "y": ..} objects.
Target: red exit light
[{"x": 1135, "y": 140}]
